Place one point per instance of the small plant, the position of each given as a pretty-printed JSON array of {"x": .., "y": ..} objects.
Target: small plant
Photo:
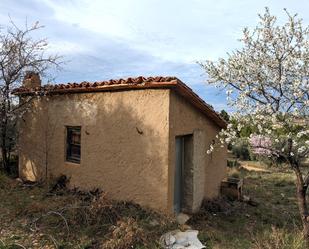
[{"x": 232, "y": 163}]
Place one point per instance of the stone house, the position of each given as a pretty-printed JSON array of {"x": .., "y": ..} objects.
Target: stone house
[{"x": 138, "y": 139}]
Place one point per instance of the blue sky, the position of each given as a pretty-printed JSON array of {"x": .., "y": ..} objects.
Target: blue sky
[{"x": 104, "y": 39}]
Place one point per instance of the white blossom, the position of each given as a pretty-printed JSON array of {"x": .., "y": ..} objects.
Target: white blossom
[{"x": 267, "y": 83}]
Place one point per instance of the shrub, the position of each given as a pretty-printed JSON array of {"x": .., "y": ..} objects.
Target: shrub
[{"x": 241, "y": 149}]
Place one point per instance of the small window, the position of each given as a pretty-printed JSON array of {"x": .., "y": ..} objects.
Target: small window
[{"x": 73, "y": 144}]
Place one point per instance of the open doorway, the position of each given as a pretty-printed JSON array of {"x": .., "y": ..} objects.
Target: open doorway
[{"x": 183, "y": 182}]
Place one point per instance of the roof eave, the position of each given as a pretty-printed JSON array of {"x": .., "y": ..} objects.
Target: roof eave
[{"x": 120, "y": 87}]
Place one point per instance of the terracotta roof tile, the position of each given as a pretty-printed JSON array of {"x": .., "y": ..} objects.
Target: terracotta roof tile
[{"x": 129, "y": 84}]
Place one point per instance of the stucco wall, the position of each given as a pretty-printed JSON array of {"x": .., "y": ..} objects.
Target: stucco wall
[
  {"x": 115, "y": 156},
  {"x": 127, "y": 144},
  {"x": 209, "y": 170}
]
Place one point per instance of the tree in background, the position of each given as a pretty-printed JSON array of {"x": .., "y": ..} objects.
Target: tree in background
[
  {"x": 19, "y": 53},
  {"x": 267, "y": 82},
  {"x": 225, "y": 115}
]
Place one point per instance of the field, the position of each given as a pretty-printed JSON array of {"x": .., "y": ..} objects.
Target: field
[{"x": 32, "y": 217}]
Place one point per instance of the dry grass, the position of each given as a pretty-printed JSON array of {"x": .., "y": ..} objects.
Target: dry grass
[
  {"x": 33, "y": 218},
  {"x": 278, "y": 238},
  {"x": 125, "y": 234}
]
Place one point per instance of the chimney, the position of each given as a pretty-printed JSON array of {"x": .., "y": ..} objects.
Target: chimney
[{"x": 31, "y": 80}]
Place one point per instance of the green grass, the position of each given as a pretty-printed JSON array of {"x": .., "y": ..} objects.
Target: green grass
[
  {"x": 274, "y": 223},
  {"x": 244, "y": 226}
]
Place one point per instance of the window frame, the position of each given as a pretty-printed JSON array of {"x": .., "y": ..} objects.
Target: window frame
[{"x": 70, "y": 144}]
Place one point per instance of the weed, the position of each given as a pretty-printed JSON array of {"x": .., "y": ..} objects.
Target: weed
[{"x": 278, "y": 238}]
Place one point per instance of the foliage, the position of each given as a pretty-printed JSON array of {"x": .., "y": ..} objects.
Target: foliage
[
  {"x": 241, "y": 149},
  {"x": 225, "y": 115}
]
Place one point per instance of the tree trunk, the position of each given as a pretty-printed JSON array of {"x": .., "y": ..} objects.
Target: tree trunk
[
  {"x": 303, "y": 209},
  {"x": 302, "y": 202},
  {"x": 5, "y": 160},
  {"x": 4, "y": 147},
  {"x": 6, "y": 105}
]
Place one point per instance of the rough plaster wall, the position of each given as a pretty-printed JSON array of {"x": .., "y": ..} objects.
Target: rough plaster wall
[
  {"x": 28, "y": 131},
  {"x": 188, "y": 172},
  {"x": 124, "y": 142},
  {"x": 199, "y": 162},
  {"x": 209, "y": 169},
  {"x": 215, "y": 172}
]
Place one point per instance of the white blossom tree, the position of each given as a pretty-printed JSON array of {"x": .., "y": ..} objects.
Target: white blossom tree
[{"x": 267, "y": 83}]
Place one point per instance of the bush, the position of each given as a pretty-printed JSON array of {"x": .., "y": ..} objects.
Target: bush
[{"x": 241, "y": 149}]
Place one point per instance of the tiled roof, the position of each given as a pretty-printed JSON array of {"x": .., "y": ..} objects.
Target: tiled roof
[{"x": 129, "y": 84}]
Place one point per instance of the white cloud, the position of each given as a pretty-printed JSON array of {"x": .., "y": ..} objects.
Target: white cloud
[
  {"x": 172, "y": 30},
  {"x": 119, "y": 38},
  {"x": 68, "y": 47}
]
